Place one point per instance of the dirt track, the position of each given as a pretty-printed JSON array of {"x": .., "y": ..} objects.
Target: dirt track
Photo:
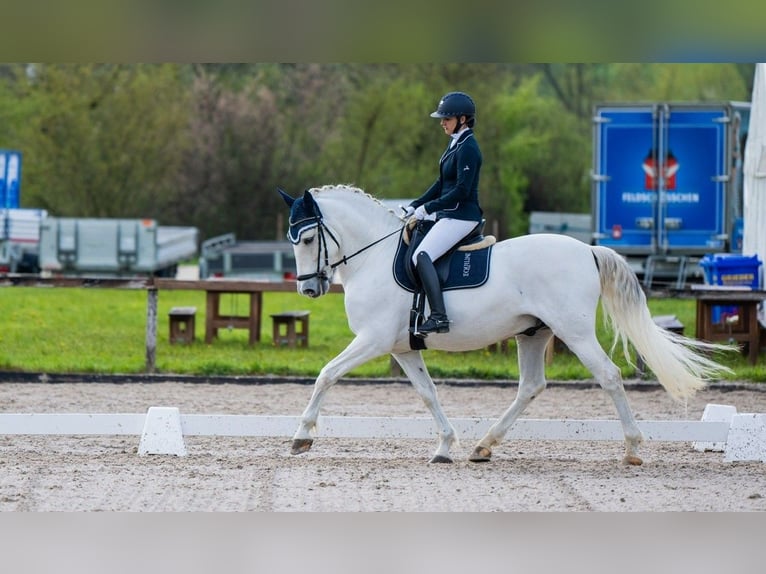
[{"x": 95, "y": 473}]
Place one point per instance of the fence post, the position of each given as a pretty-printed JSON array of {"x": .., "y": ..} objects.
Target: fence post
[{"x": 151, "y": 328}]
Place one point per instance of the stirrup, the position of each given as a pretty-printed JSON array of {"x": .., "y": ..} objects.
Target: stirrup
[{"x": 432, "y": 326}]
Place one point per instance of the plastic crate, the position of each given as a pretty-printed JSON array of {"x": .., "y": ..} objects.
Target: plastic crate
[{"x": 733, "y": 270}]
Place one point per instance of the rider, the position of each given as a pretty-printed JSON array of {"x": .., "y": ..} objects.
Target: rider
[{"x": 452, "y": 201}]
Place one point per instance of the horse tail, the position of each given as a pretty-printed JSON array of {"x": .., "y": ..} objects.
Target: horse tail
[{"x": 678, "y": 362}]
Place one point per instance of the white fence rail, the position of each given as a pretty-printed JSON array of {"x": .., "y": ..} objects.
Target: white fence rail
[{"x": 741, "y": 437}]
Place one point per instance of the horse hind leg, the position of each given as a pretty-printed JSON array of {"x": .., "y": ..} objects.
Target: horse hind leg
[
  {"x": 532, "y": 382},
  {"x": 609, "y": 378}
]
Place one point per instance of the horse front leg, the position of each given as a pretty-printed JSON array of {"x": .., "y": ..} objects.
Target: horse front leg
[
  {"x": 358, "y": 352},
  {"x": 413, "y": 366}
]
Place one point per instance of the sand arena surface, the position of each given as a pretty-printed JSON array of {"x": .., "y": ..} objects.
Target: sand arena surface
[{"x": 105, "y": 473}]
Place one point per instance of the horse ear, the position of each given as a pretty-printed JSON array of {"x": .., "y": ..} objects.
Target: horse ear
[
  {"x": 308, "y": 201},
  {"x": 288, "y": 200}
]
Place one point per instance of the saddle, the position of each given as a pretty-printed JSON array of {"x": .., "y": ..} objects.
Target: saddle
[
  {"x": 471, "y": 269},
  {"x": 465, "y": 266}
]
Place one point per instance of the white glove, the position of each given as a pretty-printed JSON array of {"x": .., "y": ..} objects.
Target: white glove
[
  {"x": 408, "y": 211},
  {"x": 421, "y": 213}
]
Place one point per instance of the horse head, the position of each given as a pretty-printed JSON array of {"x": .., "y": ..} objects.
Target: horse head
[{"x": 309, "y": 236}]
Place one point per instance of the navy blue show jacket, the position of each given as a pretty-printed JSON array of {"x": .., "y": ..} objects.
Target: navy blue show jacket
[{"x": 455, "y": 193}]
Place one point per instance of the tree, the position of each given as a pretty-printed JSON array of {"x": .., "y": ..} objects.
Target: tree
[
  {"x": 576, "y": 86},
  {"x": 100, "y": 140},
  {"x": 381, "y": 141},
  {"x": 208, "y": 144},
  {"x": 229, "y": 153},
  {"x": 265, "y": 133},
  {"x": 543, "y": 157}
]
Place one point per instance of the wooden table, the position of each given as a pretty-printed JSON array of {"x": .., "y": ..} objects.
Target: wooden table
[
  {"x": 215, "y": 288},
  {"x": 745, "y": 329}
]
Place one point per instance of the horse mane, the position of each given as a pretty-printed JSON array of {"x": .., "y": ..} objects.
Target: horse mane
[{"x": 347, "y": 188}]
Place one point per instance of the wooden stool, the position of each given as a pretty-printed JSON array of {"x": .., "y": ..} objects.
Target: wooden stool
[
  {"x": 291, "y": 337},
  {"x": 743, "y": 328},
  {"x": 182, "y": 324}
]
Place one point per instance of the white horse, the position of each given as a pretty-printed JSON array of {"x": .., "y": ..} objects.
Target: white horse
[{"x": 542, "y": 278}]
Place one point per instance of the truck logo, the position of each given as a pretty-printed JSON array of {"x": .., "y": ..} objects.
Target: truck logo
[{"x": 669, "y": 170}]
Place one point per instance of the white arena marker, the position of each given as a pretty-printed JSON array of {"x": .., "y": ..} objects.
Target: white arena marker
[
  {"x": 162, "y": 432},
  {"x": 747, "y": 438},
  {"x": 716, "y": 413}
]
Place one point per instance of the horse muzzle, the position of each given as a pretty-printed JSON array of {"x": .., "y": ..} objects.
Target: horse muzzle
[{"x": 314, "y": 287}]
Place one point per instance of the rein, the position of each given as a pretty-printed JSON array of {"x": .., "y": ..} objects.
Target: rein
[{"x": 320, "y": 272}]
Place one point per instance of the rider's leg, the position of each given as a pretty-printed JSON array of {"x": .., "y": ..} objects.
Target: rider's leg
[
  {"x": 438, "y": 321},
  {"x": 441, "y": 238}
]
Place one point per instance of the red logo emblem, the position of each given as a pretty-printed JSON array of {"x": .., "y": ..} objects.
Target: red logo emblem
[{"x": 651, "y": 174}]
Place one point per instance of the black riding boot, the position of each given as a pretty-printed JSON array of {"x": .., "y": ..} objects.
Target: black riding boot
[{"x": 438, "y": 321}]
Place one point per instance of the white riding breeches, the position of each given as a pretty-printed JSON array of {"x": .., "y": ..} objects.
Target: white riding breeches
[{"x": 443, "y": 236}]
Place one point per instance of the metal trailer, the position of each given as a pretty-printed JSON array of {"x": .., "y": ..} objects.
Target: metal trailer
[
  {"x": 19, "y": 239},
  {"x": 224, "y": 256},
  {"x": 113, "y": 247},
  {"x": 667, "y": 183}
]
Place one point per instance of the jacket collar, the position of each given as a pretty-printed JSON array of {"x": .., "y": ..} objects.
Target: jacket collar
[{"x": 460, "y": 138}]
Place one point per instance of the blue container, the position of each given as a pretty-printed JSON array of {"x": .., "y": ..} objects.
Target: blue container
[
  {"x": 728, "y": 269},
  {"x": 10, "y": 179}
]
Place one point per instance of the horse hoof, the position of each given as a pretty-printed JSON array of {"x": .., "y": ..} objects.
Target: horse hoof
[
  {"x": 301, "y": 445},
  {"x": 631, "y": 460},
  {"x": 440, "y": 458},
  {"x": 480, "y": 454}
]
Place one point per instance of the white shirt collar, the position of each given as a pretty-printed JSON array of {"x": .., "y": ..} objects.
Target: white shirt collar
[{"x": 456, "y": 136}]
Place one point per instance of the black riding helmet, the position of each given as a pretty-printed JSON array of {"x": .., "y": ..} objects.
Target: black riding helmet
[{"x": 454, "y": 105}]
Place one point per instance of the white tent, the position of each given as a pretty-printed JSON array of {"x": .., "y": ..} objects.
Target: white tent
[{"x": 754, "y": 174}]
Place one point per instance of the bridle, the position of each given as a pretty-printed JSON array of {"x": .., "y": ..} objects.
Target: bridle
[{"x": 318, "y": 222}]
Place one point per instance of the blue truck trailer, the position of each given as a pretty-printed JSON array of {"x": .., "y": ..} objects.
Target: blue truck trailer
[
  {"x": 10, "y": 178},
  {"x": 667, "y": 184}
]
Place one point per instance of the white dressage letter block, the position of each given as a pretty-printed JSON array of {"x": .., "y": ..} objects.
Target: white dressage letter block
[
  {"x": 747, "y": 438},
  {"x": 715, "y": 413},
  {"x": 162, "y": 432}
]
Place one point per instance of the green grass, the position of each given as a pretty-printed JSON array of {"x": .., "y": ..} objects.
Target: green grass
[{"x": 89, "y": 330}]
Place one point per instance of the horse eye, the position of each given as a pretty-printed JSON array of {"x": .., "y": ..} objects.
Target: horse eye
[{"x": 308, "y": 241}]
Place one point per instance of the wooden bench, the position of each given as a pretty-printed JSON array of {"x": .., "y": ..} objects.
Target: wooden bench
[
  {"x": 742, "y": 328},
  {"x": 181, "y": 321},
  {"x": 289, "y": 321},
  {"x": 215, "y": 289}
]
